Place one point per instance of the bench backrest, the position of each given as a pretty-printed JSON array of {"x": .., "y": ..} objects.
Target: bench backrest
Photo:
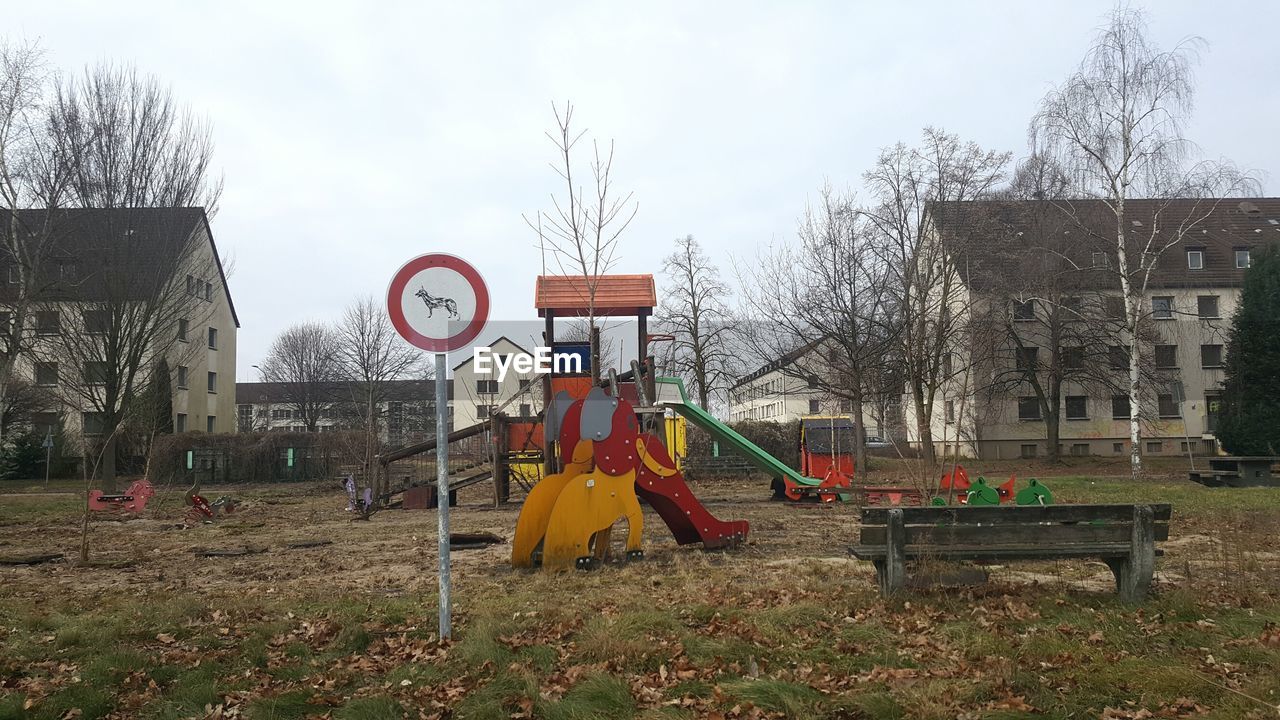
[{"x": 1046, "y": 526}]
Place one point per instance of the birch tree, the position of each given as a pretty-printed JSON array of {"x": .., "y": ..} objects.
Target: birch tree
[{"x": 1117, "y": 123}]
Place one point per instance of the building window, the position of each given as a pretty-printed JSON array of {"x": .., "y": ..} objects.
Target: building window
[
  {"x": 1210, "y": 356},
  {"x": 183, "y": 327},
  {"x": 244, "y": 417},
  {"x": 213, "y": 338},
  {"x": 208, "y": 291},
  {"x": 1120, "y": 407},
  {"x": 182, "y": 376},
  {"x": 1155, "y": 446},
  {"x": 1166, "y": 356},
  {"x": 846, "y": 406},
  {"x": 48, "y": 322},
  {"x": 1119, "y": 356},
  {"x": 97, "y": 322},
  {"x": 1208, "y": 306},
  {"x": 69, "y": 272},
  {"x": 15, "y": 276},
  {"x": 1077, "y": 407},
  {"x": 180, "y": 424},
  {"x": 1026, "y": 358},
  {"x": 1024, "y": 310},
  {"x": 484, "y": 411},
  {"x": 1028, "y": 450},
  {"x": 1080, "y": 449},
  {"x": 210, "y": 423},
  {"x": 1242, "y": 258},
  {"x": 947, "y": 364},
  {"x": 1195, "y": 259},
  {"x": 191, "y": 285},
  {"x": 95, "y": 372},
  {"x": 524, "y": 382},
  {"x": 1117, "y": 448},
  {"x": 213, "y": 382},
  {"x": 526, "y": 410},
  {"x": 1162, "y": 307},
  {"x": 813, "y": 406},
  {"x": 487, "y": 387},
  {"x": 47, "y": 374},
  {"x": 951, "y": 411},
  {"x": 6, "y": 322},
  {"x": 1100, "y": 260},
  {"x": 1168, "y": 408},
  {"x": 1028, "y": 408},
  {"x": 1073, "y": 358},
  {"x": 94, "y": 423}
]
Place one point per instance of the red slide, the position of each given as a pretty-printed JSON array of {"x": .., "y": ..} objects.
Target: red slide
[{"x": 661, "y": 485}]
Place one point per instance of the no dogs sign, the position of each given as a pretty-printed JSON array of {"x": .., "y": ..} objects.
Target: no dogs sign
[{"x": 438, "y": 302}]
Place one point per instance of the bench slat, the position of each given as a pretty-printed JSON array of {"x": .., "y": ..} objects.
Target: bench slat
[
  {"x": 945, "y": 535},
  {"x": 980, "y": 553},
  {"x": 1015, "y": 514}
]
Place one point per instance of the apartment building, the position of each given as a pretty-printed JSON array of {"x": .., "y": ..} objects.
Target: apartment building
[
  {"x": 1057, "y": 313},
  {"x": 776, "y": 393},
  {"x": 111, "y": 296},
  {"x": 405, "y": 409},
  {"x": 480, "y": 393}
]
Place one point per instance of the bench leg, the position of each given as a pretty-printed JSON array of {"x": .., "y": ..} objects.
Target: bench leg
[
  {"x": 892, "y": 571},
  {"x": 1133, "y": 574}
]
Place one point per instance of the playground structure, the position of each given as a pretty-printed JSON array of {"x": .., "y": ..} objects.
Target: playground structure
[
  {"x": 201, "y": 510},
  {"x": 955, "y": 486},
  {"x": 132, "y": 501}
]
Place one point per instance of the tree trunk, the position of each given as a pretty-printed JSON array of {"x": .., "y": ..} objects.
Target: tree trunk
[
  {"x": 1052, "y": 430},
  {"x": 859, "y": 434},
  {"x": 924, "y": 425},
  {"x": 107, "y": 465}
]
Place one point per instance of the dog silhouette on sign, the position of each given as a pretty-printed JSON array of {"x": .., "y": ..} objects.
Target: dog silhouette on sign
[{"x": 433, "y": 303}]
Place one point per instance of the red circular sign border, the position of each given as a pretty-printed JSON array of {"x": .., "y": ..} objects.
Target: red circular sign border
[{"x": 452, "y": 262}]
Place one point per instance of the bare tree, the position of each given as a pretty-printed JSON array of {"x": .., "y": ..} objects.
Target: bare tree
[
  {"x": 694, "y": 311},
  {"x": 581, "y": 232},
  {"x": 912, "y": 190},
  {"x": 1117, "y": 123},
  {"x": 32, "y": 184},
  {"x": 126, "y": 148},
  {"x": 825, "y": 306},
  {"x": 305, "y": 360},
  {"x": 372, "y": 356},
  {"x": 137, "y": 298}
]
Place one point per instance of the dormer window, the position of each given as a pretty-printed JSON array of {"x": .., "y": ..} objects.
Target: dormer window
[{"x": 1195, "y": 259}]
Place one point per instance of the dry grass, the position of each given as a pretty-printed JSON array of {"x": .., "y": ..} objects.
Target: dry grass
[{"x": 787, "y": 626}]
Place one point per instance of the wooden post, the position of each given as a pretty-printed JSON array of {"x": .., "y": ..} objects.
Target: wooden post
[
  {"x": 895, "y": 567},
  {"x": 1135, "y": 577},
  {"x": 549, "y": 431}
]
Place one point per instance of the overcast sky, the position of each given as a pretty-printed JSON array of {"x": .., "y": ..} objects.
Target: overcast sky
[{"x": 353, "y": 139}]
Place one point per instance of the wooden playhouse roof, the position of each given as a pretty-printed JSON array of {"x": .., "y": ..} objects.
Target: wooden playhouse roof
[{"x": 616, "y": 295}]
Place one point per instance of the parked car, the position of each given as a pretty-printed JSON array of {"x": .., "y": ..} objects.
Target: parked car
[{"x": 873, "y": 442}]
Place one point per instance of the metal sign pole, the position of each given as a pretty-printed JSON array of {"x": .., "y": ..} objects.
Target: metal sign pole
[
  {"x": 442, "y": 489},
  {"x": 48, "y": 455}
]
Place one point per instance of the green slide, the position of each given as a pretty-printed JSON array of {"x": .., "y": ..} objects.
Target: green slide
[{"x": 725, "y": 434}]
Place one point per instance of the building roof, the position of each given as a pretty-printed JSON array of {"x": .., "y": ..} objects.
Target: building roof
[
  {"x": 615, "y": 295},
  {"x": 145, "y": 247},
  {"x": 993, "y": 239},
  {"x": 776, "y": 365},
  {"x": 251, "y": 393},
  {"x": 471, "y": 358}
]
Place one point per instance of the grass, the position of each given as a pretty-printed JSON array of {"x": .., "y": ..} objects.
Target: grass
[{"x": 292, "y": 635}]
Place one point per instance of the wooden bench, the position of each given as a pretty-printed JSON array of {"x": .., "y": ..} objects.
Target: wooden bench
[{"x": 1122, "y": 536}]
